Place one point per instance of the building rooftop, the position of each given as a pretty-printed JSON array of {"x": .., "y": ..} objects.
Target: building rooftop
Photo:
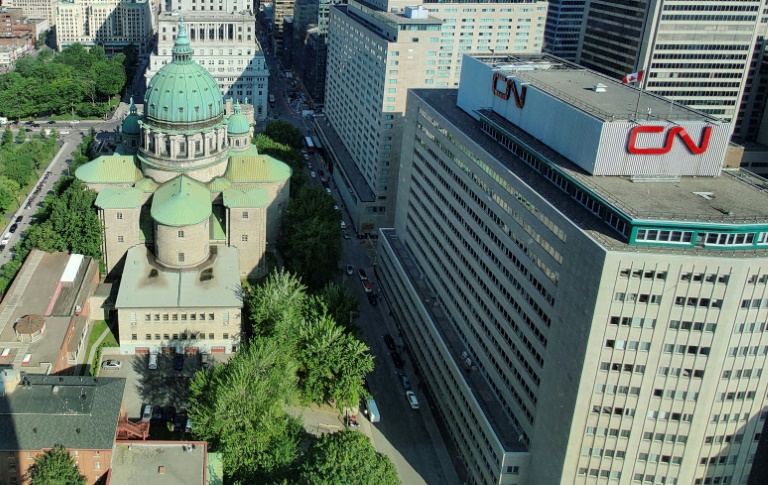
[
  {"x": 574, "y": 84},
  {"x": 147, "y": 284},
  {"x": 77, "y": 412},
  {"x": 740, "y": 197},
  {"x": 169, "y": 463},
  {"x": 191, "y": 17},
  {"x": 504, "y": 429}
]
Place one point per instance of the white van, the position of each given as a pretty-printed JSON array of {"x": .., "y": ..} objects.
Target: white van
[{"x": 152, "y": 362}]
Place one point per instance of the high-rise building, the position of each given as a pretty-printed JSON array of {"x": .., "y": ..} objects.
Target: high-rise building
[
  {"x": 564, "y": 19},
  {"x": 113, "y": 24},
  {"x": 704, "y": 55},
  {"x": 376, "y": 51},
  {"x": 309, "y": 44},
  {"x": 225, "y": 45},
  {"x": 581, "y": 285}
]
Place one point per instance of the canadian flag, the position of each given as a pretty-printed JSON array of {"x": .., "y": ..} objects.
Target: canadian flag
[{"x": 635, "y": 77}]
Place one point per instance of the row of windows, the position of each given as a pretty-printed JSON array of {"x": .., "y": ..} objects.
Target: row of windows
[
  {"x": 667, "y": 437},
  {"x": 748, "y": 350},
  {"x": 723, "y": 460},
  {"x": 695, "y": 326},
  {"x": 619, "y": 367},
  {"x": 642, "y": 298},
  {"x": 594, "y": 472},
  {"x": 639, "y": 273},
  {"x": 680, "y": 372},
  {"x": 754, "y": 303},
  {"x": 636, "y": 322},
  {"x": 667, "y": 415},
  {"x": 736, "y": 396},
  {"x": 614, "y": 432},
  {"x": 664, "y": 236},
  {"x": 174, "y": 317},
  {"x": 608, "y": 453},
  {"x": 649, "y": 478},
  {"x": 675, "y": 394},
  {"x": 182, "y": 336},
  {"x": 755, "y": 279},
  {"x": 726, "y": 438},
  {"x": 685, "y": 349},
  {"x": 742, "y": 374},
  {"x": 702, "y": 302},
  {"x": 618, "y": 410},
  {"x": 656, "y": 458},
  {"x": 709, "y": 278},
  {"x": 627, "y": 345},
  {"x": 735, "y": 417},
  {"x": 612, "y": 389}
]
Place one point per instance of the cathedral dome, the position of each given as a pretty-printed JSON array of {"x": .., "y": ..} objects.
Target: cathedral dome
[
  {"x": 183, "y": 92},
  {"x": 131, "y": 122},
  {"x": 238, "y": 123}
]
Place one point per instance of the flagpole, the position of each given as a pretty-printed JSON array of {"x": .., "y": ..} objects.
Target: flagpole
[{"x": 652, "y": 41}]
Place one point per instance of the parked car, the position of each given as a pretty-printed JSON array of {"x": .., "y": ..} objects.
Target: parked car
[
  {"x": 397, "y": 360},
  {"x": 179, "y": 422},
  {"x": 406, "y": 383},
  {"x": 350, "y": 269},
  {"x": 13, "y": 228},
  {"x": 52, "y": 122},
  {"x": 152, "y": 363},
  {"x": 64, "y": 132},
  {"x": 169, "y": 414},
  {"x": 178, "y": 362},
  {"x": 372, "y": 299},
  {"x": 147, "y": 413},
  {"x": 390, "y": 342},
  {"x": 362, "y": 275},
  {"x": 157, "y": 415},
  {"x": 111, "y": 364},
  {"x": 19, "y": 219},
  {"x": 188, "y": 427},
  {"x": 312, "y": 174},
  {"x": 74, "y": 121},
  {"x": 412, "y": 399},
  {"x": 2, "y": 248},
  {"x": 328, "y": 191},
  {"x": 345, "y": 234},
  {"x": 205, "y": 360}
]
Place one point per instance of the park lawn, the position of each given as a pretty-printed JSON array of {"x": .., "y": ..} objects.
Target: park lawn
[{"x": 98, "y": 328}]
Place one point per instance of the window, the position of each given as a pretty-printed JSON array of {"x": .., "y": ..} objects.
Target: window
[
  {"x": 181, "y": 257},
  {"x": 245, "y": 214},
  {"x": 119, "y": 216},
  {"x": 134, "y": 337},
  {"x": 181, "y": 234},
  {"x": 210, "y": 336},
  {"x": 225, "y": 336},
  {"x": 120, "y": 239},
  {"x": 210, "y": 316},
  {"x": 244, "y": 238}
]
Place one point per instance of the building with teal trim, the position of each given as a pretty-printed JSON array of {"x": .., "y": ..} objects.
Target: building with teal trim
[
  {"x": 582, "y": 285},
  {"x": 189, "y": 207}
]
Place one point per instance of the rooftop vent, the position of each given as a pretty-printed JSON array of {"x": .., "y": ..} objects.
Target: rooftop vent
[
  {"x": 705, "y": 195},
  {"x": 161, "y": 470},
  {"x": 599, "y": 88},
  {"x": 55, "y": 389}
]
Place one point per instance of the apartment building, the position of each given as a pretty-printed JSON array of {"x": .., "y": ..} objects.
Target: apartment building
[
  {"x": 376, "y": 52},
  {"x": 582, "y": 287},
  {"x": 704, "y": 55},
  {"x": 225, "y": 45},
  {"x": 113, "y": 24}
]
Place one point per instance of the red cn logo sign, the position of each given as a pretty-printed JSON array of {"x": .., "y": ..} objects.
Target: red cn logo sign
[
  {"x": 509, "y": 88},
  {"x": 670, "y": 139}
]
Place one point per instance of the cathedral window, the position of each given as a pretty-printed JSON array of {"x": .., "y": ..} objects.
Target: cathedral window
[
  {"x": 244, "y": 238},
  {"x": 181, "y": 234},
  {"x": 119, "y": 216},
  {"x": 120, "y": 239},
  {"x": 245, "y": 214},
  {"x": 181, "y": 257}
]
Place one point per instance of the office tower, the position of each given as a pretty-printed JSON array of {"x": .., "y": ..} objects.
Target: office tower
[
  {"x": 113, "y": 24},
  {"x": 582, "y": 289},
  {"x": 703, "y": 55},
  {"x": 281, "y": 10},
  {"x": 225, "y": 45},
  {"x": 36, "y": 9},
  {"x": 309, "y": 44},
  {"x": 564, "y": 19},
  {"x": 376, "y": 51}
]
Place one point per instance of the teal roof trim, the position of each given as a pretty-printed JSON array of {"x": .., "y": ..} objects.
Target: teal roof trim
[
  {"x": 181, "y": 201},
  {"x": 118, "y": 198},
  {"x": 110, "y": 169},
  {"x": 255, "y": 197}
]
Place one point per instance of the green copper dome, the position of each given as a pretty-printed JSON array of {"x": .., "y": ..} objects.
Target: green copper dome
[
  {"x": 183, "y": 92},
  {"x": 238, "y": 123},
  {"x": 181, "y": 201},
  {"x": 131, "y": 122}
]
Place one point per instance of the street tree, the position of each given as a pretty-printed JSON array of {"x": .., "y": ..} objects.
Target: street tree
[
  {"x": 55, "y": 467},
  {"x": 346, "y": 457},
  {"x": 238, "y": 408},
  {"x": 275, "y": 307},
  {"x": 340, "y": 304},
  {"x": 311, "y": 243},
  {"x": 8, "y": 137},
  {"x": 283, "y": 132},
  {"x": 74, "y": 218},
  {"x": 9, "y": 189}
]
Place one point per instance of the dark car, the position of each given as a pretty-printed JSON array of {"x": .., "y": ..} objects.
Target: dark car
[
  {"x": 178, "y": 362},
  {"x": 52, "y": 122},
  {"x": 30, "y": 122},
  {"x": 373, "y": 300},
  {"x": 169, "y": 414},
  {"x": 2, "y": 248},
  {"x": 19, "y": 219},
  {"x": 35, "y": 125},
  {"x": 13, "y": 228},
  {"x": 390, "y": 342},
  {"x": 179, "y": 422},
  {"x": 362, "y": 274},
  {"x": 397, "y": 360},
  {"x": 158, "y": 414},
  {"x": 405, "y": 381}
]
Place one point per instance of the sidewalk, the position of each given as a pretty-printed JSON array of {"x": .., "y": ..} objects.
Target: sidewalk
[{"x": 92, "y": 352}]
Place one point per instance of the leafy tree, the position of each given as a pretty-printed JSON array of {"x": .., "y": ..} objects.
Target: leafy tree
[
  {"x": 74, "y": 219},
  {"x": 311, "y": 242},
  {"x": 8, "y": 137},
  {"x": 347, "y": 457},
  {"x": 55, "y": 467},
  {"x": 258, "y": 441},
  {"x": 8, "y": 192},
  {"x": 340, "y": 303},
  {"x": 332, "y": 364},
  {"x": 275, "y": 307},
  {"x": 283, "y": 132},
  {"x": 21, "y": 136}
]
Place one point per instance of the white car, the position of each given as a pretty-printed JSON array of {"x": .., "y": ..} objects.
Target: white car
[
  {"x": 74, "y": 122},
  {"x": 64, "y": 132},
  {"x": 6, "y": 238},
  {"x": 147, "y": 413},
  {"x": 312, "y": 174},
  {"x": 350, "y": 269},
  {"x": 412, "y": 399},
  {"x": 328, "y": 191}
]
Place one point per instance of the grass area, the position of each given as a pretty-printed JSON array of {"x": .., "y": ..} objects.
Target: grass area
[{"x": 109, "y": 341}]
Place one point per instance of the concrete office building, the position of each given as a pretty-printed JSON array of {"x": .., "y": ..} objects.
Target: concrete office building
[
  {"x": 310, "y": 44},
  {"x": 583, "y": 292},
  {"x": 376, "y": 51},
  {"x": 225, "y": 45},
  {"x": 564, "y": 19},
  {"x": 112, "y": 24},
  {"x": 36, "y": 9},
  {"x": 704, "y": 55}
]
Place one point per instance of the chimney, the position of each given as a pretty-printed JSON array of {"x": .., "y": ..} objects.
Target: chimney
[{"x": 10, "y": 380}]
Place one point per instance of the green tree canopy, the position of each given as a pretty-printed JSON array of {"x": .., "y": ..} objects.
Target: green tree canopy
[
  {"x": 55, "y": 467},
  {"x": 347, "y": 457},
  {"x": 311, "y": 242},
  {"x": 285, "y": 133},
  {"x": 340, "y": 303}
]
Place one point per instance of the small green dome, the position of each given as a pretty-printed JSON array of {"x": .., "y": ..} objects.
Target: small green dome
[
  {"x": 182, "y": 91},
  {"x": 131, "y": 122},
  {"x": 181, "y": 201},
  {"x": 238, "y": 123}
]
